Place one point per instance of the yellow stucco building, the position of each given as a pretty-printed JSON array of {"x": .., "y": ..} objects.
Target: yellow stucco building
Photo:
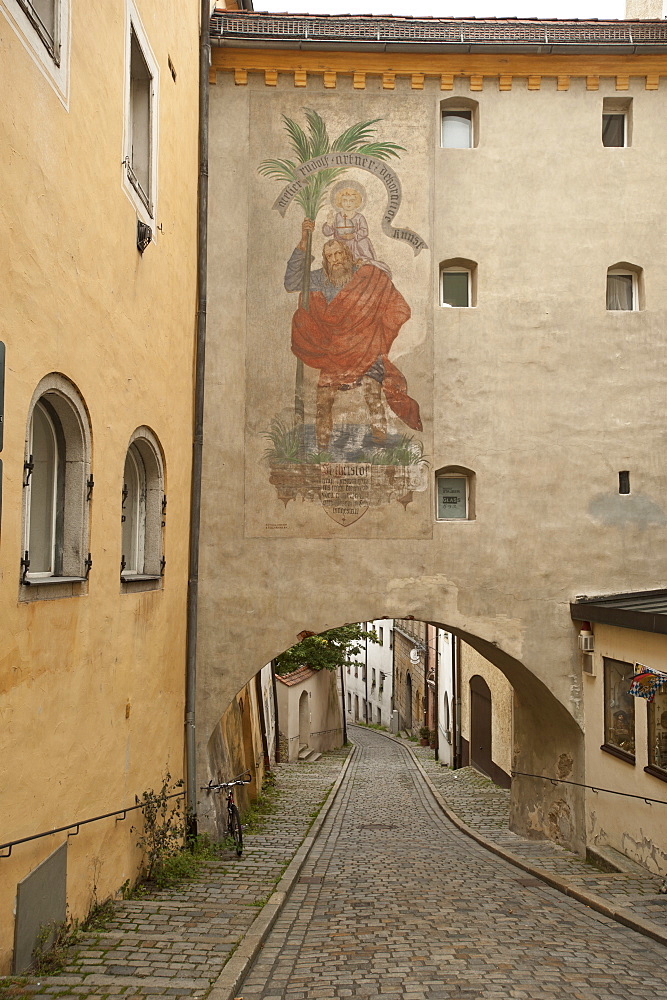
[{"x": 98, "y": 288}]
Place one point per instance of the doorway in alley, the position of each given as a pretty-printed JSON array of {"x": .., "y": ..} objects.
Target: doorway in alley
[{"x": 480, "y": 725}]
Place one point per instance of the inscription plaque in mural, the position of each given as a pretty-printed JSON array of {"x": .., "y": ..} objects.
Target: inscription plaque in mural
[{"x": 352, "y": 441}]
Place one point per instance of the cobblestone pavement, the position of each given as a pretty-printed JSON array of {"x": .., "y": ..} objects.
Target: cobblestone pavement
[
  {"x": 174, "y": 943},
  {"x": 485, "y": 808},
  {"x": 395, "y": 902}
]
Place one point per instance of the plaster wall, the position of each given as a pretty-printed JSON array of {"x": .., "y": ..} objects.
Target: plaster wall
[
  {"x": 631, "y": 826},
  {"x": 92, "y": 685},
  {"x": 380, "y": 662},
  {"x": 501, "y": 705},
  {"x": 326, "y": 729},
  {"x": 644, "y": 8},
  {"x": 538, "y": 389}
]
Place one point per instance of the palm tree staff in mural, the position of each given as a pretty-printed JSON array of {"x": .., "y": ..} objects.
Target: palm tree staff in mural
[
  {"x": 354, "y": 315},
  {"x": 308, "y": 145}
]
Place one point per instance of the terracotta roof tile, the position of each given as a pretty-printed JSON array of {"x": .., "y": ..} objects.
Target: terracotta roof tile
[{"x": 296, "y": 676}]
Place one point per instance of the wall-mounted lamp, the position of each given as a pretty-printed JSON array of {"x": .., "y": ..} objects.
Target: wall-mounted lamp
[{"x": 144, "y": 235}]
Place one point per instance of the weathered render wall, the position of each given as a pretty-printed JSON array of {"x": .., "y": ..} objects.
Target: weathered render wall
[
  {"x": 538, "y": 389},
  {"x": 472, "y": 664},
  {"x": 92, "y": 685},
  {"x": 632, "y": 826},
  {"x": 324, "y": 712}
]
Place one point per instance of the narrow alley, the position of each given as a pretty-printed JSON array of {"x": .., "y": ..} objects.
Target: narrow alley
[{"x": 395, "y": 902}]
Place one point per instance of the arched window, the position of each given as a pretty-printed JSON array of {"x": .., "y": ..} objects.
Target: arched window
[
  {"x": 459, "y": 123},
  {"x": 625, "y": 290},
  {"x": 455, "y": 489},
  {"x": 143, "y": 505},
  {"x": 56, "y": 488},
  {"x": 458, "y": 283}
]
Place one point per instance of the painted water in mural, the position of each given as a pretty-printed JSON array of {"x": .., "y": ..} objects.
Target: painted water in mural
[{"x": 346, "y": 456}]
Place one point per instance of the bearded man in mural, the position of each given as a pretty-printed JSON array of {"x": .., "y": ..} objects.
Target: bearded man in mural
[{"x": 354, "y": 316}]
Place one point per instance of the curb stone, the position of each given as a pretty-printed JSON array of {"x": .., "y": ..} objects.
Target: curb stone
[
  {"x": 617, "y": 913},
  {"x": 226, "y": 985}
]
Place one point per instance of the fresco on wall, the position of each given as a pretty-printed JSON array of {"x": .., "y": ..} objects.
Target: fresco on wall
[{"x": 353, "y": 439}]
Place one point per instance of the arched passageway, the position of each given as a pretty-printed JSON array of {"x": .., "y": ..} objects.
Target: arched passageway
[{"x": 547, "y": 742}]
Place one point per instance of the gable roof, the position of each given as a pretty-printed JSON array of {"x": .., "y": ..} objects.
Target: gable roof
[
  {"x": 297, "y": 676},
  {"x": 455, "y": 34}
]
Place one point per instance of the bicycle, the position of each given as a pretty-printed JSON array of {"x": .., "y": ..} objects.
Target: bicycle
[{"x": 234, "y": 828}]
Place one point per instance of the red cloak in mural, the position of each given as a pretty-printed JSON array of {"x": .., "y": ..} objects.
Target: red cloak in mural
[{"x": 345, "y": 337}]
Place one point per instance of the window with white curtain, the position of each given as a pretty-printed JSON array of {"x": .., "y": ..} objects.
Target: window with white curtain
[
  {"x": 142, "y": 511},
  {"x": 457, "y": 128},
  {"x": 133, "y": 518},
  {"x": 622, "y": 290},
  {"x": 56, "y": 491},
  {"x": 43, "y": 494}
]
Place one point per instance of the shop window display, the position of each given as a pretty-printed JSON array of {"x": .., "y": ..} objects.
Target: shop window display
[{"x": 619, "y": 708}]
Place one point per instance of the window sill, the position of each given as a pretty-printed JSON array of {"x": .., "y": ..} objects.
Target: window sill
[
  {"x": 141, "y": 582},
  {"x": 656, "y": 772},
  {"x": 52, "y": 588},
  {"x": 629, "y": 758}
]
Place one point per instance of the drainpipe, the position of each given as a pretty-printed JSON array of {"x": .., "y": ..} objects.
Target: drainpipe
[
  {"x": 436, "y": 714},
  {"x": 342, "y": 695},
  {"x": 456, "y": 684},
  {"x": 200, "y": 366},
  {"x": 366, "y": 678},
  {"x": 275, "y": 709}
]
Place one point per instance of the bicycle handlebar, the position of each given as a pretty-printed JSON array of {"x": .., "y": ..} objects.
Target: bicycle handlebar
[{"x": 239, "y": 780}]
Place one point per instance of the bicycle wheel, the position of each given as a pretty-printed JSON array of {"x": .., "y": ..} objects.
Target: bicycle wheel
[{"x": 234, "y": 829}]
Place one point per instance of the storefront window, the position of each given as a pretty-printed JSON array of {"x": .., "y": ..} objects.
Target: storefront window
[
  {"x": 657, "y": 731},
  {"x": 619, "y": 708}
]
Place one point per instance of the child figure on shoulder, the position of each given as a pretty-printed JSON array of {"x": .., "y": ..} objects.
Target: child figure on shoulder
[{"x": 348, "y": 225}]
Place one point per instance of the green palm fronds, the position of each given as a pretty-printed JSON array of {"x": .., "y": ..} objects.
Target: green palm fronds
[{"x": 314, "y": 141}]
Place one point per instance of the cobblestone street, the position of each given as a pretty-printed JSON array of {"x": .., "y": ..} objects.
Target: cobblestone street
[{"x": 394, "y": 902}]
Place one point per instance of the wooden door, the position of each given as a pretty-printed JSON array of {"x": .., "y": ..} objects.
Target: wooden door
[{"x": 480, "y": 725}]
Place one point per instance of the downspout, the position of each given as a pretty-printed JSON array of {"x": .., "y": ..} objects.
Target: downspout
[
  {"x": 366, "y": 678},
  {"x": 197, "y": 444},
  {"x": 456, "y": 676},
  {"x": 275, "y": 709},
  {"x": 342, "y": 695},
  {"x": 436, "y": 714}
]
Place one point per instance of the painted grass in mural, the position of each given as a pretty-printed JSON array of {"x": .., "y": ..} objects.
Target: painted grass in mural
[{"x": 348, "y": 316}]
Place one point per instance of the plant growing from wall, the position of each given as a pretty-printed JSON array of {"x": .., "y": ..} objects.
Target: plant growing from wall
[
  {"x": 326, "y": 651},
  {"x": 163, "y": 831}
]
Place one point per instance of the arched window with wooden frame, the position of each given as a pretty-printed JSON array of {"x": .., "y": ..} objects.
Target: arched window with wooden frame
[{"x": 143, "y": 510}]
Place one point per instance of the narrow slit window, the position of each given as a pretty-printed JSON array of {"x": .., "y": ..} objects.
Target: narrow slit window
[{"x": 624, "y": 482}]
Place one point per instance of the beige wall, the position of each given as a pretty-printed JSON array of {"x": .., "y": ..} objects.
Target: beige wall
[
  {"x": 472, "y": 663},
  {"x": 93, "y": 685},
  {"x": 644, "y": 8},
  {"x": 326, "y": 729},
  {"x": 535, "y": 389},
  {"x": 631, "y": 826}
]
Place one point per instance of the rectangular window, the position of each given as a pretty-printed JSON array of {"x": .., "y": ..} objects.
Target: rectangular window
[
  {"x": 44, "y": 15},
  {"x": 613, "y": 130},
  {"x": 456, "y": 288},
  {"x": 373, "y": 676},
  {"x": 456, "y": 129},
  {"x": 452, "y": 497},
  {"x": 657, "y": 731},
  {"x": 141, "y": 87},
  {"x": 619, "y": 709},
  {"x": 621, "y": 290}
]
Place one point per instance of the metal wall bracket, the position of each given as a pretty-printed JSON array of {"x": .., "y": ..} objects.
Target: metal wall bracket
[
  {"x": 90, "y": 483},
  {"x": 163, "y": 563},
  {"x": 88, "y": 563},
  {"x": 25, "y": 566},
  {"x": 27, "y": 468}
]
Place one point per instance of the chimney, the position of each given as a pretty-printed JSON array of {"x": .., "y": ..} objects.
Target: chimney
[{"x": 645, "y": 9}]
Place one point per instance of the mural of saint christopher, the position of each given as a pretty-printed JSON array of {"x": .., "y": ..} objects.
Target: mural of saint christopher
[{"x": 354, "y": 315}]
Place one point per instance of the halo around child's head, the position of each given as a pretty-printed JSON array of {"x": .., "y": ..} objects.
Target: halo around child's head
[{"x": 338, "y": 189}]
